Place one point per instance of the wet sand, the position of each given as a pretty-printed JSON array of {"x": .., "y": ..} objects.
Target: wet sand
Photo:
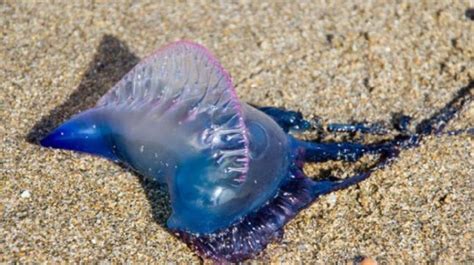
[{"x": 338, "y": 61}]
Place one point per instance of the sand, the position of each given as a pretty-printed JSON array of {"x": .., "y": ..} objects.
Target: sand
[{"x": 341, "y": 61}]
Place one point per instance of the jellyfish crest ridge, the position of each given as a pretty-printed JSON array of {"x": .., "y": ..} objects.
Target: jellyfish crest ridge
[{"x": 184, "y": 85}]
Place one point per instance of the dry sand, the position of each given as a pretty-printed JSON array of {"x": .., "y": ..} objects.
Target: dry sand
[{"x": 341, "y": 61}]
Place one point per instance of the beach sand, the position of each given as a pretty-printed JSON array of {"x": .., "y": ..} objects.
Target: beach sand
[{"x": 339, "y": 61}]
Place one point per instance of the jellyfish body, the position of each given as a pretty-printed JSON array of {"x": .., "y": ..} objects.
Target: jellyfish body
[
  {"x": 233, "y": 173},
  {"x": 181, "y": 125}
]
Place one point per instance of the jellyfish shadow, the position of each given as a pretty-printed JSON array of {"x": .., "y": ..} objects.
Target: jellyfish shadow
[{"x": 111, "y": 62}]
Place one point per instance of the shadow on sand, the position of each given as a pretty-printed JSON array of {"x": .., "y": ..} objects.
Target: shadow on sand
[{"x": 111, "y": 62}]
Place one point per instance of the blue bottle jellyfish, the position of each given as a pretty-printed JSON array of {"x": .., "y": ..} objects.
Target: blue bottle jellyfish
[{"x": 233, "y": 171}]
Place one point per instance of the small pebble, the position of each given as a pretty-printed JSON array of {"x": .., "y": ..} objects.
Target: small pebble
[
  {"x": 332, "y": 199},
  {"x": 25, "y": 194},
  {"x": 368, "y": 261}
]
